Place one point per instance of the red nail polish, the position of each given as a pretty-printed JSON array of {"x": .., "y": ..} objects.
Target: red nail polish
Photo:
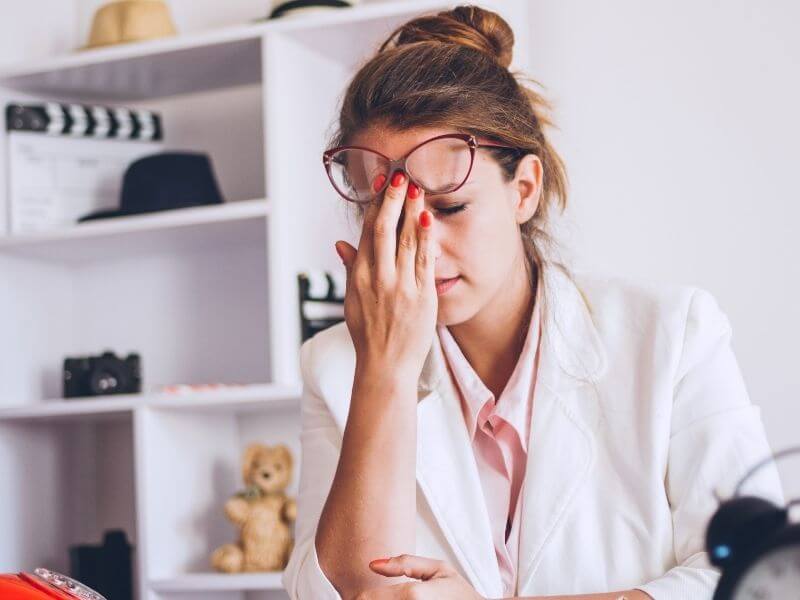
[
  {"x": 398, "y": 179},
  {"x": 378, "y": 182},
  {"x": 413, "y": 191},
  {"x": 425, "y": 219}
]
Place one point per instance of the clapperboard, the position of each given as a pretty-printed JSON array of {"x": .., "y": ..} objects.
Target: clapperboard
[
  {"x": 67, "y": 160},
  {"x": 79, "y": 120},
  {"x": 321, "y": 300}
]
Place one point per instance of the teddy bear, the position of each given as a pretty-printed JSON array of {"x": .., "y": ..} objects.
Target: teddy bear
[{"x": 262, "y": 512}]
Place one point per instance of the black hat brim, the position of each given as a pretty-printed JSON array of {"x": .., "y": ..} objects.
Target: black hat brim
[{"x": 103, "y": 214}]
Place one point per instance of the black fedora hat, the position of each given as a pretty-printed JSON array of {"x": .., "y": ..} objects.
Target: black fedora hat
[
  {"x": 164, "y": 181},
  {"x": 297, "y": 7}
]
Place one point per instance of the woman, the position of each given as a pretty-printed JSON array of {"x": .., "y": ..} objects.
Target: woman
[{"x": 486, "y": 424}]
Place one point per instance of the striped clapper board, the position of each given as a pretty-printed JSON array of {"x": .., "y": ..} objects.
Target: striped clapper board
[
  {"x": 321, "y": 300},
  {"x": 66, "y": 160}
]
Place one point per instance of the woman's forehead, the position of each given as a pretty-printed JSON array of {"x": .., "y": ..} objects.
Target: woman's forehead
[{"x": 393, "y": 142}]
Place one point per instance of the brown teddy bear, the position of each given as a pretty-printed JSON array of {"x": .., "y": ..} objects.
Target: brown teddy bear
[{"x": 262, "y": 512}]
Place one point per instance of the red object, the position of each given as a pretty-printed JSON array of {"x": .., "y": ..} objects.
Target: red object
[
  {"x": 425, "y": 219},
  {"x": 413, "y": 191},
  {"x": 379, "y": 181},
  {"x": 44, "y": 585},
  {"x": 398, "y": 178}
]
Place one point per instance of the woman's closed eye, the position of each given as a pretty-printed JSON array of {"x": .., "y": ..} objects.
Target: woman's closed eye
[{"x": 450, "y": 209}]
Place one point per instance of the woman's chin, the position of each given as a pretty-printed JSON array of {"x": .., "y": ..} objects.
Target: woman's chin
[{"x": 453, "y": 313}]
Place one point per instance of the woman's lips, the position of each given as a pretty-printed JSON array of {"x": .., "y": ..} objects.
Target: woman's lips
[{"x": 443, "y": 285}]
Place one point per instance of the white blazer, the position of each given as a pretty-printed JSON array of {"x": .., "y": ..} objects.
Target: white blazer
[{"x": 640, "y": 412}]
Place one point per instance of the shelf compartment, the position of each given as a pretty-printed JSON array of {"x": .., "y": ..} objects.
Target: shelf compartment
[
  {"x": 197, "y": 316},
  {"x": 200, "y": 582},
  {"x": 146, "y": 70},
  {"x": 165, "y": 231},
  {"x": 199, "y": 455},
  {"x": 64, "y": 484},
  {"x": 182, "y": 64}
]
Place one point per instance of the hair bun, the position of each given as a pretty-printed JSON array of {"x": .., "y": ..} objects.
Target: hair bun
[{"x": 467, "y": 25}]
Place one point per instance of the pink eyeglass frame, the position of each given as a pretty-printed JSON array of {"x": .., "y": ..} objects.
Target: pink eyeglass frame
[{"x": 400, "y": 163}]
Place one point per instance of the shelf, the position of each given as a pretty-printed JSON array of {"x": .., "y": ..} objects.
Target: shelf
[
  {"x": 146, "y": 70},
  {"x": 197, "y": 582},
  {"x": 181, "y": 64},
  {"x": 178, "y": 229},
  {"x": 64, "y": 410},
  {"x": 258, "y": 397},
  {"x": 244, "y": 399}
]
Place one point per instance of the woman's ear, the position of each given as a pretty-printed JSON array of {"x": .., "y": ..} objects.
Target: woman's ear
[{"x": 527, "y": 184}]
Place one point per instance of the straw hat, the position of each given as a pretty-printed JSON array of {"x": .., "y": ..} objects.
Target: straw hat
[{"x": 123, "y": 21}]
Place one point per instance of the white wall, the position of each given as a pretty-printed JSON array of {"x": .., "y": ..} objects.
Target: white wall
[
  {"x": 31, "y": 30},
  {"x": 679, "y": 125}
]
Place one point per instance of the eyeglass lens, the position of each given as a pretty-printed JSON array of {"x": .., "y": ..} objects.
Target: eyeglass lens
[{"x": 439, "y": 166}]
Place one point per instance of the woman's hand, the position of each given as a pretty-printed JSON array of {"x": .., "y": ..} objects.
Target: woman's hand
[
  {"x": 390, "y": 301},
  {"x": 438, "y": 580}
]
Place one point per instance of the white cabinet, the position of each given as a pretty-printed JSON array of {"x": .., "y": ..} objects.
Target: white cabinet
[{"x": 205, "y": 294}]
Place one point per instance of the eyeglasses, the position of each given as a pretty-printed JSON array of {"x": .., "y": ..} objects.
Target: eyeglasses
[{"x": 439, "y": 165}]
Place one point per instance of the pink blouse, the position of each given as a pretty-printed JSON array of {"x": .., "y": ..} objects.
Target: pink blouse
[{"x": 499, "y": 431}]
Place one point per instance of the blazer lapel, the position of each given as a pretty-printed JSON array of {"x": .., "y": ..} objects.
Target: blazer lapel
[
  {"x": 561, "y": 448},
  {"x": 448, "y": 476}
]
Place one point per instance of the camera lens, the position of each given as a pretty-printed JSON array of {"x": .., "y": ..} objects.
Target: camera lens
[{"x": 106, "y": 380}]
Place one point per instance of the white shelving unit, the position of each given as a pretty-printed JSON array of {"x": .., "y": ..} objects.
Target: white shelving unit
[{"x": 205, "y": 295}]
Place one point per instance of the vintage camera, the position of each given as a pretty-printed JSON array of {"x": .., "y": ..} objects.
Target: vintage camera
[{"x": 102, "y": 375}]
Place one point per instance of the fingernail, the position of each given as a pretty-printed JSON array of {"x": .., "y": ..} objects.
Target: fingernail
[
  {"x": 379, "y": 181},
  {"x": 413, "y": 191},
  {"x": 425, "y": 219},
  {"x": 339, "y": 252},
  {"x": 398, "y": 178},
  {"x": 378, "y": 562}
]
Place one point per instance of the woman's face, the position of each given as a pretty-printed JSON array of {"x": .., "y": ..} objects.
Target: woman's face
[{"x": 476, "y": 228}]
